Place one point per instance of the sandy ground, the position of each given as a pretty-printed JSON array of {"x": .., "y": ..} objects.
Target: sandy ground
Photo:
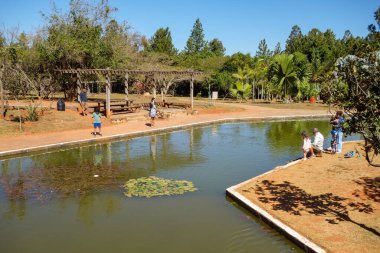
[
  {"x": 333, "y": 201},
  {"x": 82, "y": 125}
]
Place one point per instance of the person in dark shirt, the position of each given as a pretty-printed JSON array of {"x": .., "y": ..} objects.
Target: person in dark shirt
[{"x": 83, "y": 101}]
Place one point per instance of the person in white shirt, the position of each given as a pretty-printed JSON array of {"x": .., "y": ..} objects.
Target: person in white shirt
[
  {"x": 306, "y": 145},
  {"x": 317, "y": 143}
]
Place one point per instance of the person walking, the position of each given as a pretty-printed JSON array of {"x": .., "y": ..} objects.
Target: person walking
[
  {"x": 83, "y": 101},
  {"x": 152, "y": 111}
]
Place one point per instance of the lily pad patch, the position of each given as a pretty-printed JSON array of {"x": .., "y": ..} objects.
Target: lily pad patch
[{"x": 155, "y": 186}]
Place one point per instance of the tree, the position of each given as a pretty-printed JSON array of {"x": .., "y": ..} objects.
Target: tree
[
  {"x": 263, "y": 50},
  {"x": 222, "y": 81},
  {"x": 2, "y": 40},
  {"x": 285, "y": 74},
  {"x": 161, "y": 42},
  {"x": 357, "y": 91},
  {"x": 196, "y": 44},
  {"x": 236, "y": 61},
  {"x": 241, "y": 88},
  {"x": 277, "y": 50},
  {"x": 257, "y": 75},
  {"x": 347, "y": 36},
  {"x": 374, "y": 34},
  {"x": 294, "y": 41},
  {"x": 216, "y": 47},
  {"x": 304, "y": 89}
]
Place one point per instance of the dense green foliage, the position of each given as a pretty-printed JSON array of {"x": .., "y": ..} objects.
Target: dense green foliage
[
  {"x": 88, "y": 37},
  {"x": 357, "y": 90},
  {"x": 161, "y": 42},
  {"x": 156, "y": 187}
]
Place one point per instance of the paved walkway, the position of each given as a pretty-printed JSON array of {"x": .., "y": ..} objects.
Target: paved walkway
[{"x": 43, "y": 139}]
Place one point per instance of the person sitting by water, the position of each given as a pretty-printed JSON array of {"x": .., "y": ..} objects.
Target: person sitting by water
[
  {"x": 317, "y": 143},
  {"x": 307, "y": 150}
]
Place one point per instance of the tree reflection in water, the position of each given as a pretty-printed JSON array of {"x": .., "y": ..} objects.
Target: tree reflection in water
[{"x": 82, "y": 172}]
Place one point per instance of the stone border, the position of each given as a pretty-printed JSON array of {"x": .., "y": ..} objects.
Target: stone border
[
  {"x": 61, "y": 145},
  {"x": 288, "y": 232}
]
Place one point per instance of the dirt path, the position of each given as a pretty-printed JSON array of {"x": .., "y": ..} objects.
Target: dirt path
[
  {"x": 36, "y": 139},
  {"x": 333, "y": 201}
]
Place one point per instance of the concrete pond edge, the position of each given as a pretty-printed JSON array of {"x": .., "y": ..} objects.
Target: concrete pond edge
[
  {"x": 76, "y": 143},
  {"x": 282, "y": 228},
  {"x": 278, "y": 225}
]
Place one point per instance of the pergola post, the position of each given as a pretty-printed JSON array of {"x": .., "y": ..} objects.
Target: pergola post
[
  {"x": 108, "y": 96},
  {"x": 192, "y": 91},
  {"x": 2, "y": 110},
  {"x": 126, "y": 86},
  {"x": 78, "y": 87}
]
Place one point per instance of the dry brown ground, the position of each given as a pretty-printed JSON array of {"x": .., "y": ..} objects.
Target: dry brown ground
[
  {"x": 56, "y": 127},
  {"x": 333, "y": 201},
  {"x": 54, "y": 121}
]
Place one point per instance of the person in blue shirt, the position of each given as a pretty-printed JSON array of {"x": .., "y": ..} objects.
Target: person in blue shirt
[
  {"x": 337, "y": 124},
  {"x": 97, "y": 122}
]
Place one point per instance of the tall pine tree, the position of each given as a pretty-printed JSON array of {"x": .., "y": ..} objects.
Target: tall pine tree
[
  {"x": 216, "y": 47},
  {"x": 294, "y": 41},
  {"x": 277, "y": 49},
  {"x": 263, "y": 50},
  {"x": 161, "y": 42},
  {"x": 196, "y": 44}
]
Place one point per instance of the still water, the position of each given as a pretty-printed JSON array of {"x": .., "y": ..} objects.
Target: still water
[{"x": 51, "y": 202}]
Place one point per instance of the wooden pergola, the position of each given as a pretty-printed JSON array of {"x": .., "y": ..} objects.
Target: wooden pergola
[{"x": 125, "y": 73}]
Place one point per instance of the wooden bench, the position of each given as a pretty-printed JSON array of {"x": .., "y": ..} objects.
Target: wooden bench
[
  {"x": 181, "y": 105},
  {"x": 164, "y": 104},
  {"x": 123, "y": 108}
]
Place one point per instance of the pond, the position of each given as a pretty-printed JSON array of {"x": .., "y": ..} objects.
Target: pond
[{"x": 51, "y": 202}]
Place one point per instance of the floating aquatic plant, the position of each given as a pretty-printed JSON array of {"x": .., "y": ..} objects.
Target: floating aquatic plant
[{"x": 155, "y": 186}]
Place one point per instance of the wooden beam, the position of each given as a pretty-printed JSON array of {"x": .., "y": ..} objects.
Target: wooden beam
[
  {"x": 108, "y": 96},
  {"x": 78, "y": 87},
  {"x": 2, "y": 110},
  {"x": 122, "y": 72}
]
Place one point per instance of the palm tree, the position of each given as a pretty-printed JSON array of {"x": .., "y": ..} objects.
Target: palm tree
[
  {"x": 257, "y": 74},
  {"x": 285, "y": 73},
  {"x": 241, "y": 88}
]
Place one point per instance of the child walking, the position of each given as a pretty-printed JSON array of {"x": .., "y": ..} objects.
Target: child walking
[{"x": 97, "y": 122}]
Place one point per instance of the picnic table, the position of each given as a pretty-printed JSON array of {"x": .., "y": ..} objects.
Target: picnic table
[{"x": 118, "y": 106}]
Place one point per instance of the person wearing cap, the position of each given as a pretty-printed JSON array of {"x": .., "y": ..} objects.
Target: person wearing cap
[{"x": 317, "y": 143}]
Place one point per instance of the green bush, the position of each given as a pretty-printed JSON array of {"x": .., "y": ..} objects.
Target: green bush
[{"x": 32, "y": 112}]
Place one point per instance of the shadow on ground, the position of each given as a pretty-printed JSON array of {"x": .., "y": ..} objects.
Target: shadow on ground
[
  {"x": 371, "y": 187},
  {"x": 289, "y": 198}
]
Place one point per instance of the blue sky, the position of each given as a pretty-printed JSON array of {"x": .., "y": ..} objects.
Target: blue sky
[{"x": 239, "y": 24}]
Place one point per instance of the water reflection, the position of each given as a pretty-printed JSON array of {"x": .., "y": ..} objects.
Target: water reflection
[
  {"x": 85, "y": 170},
  {"x": 60, "y": 188}
]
